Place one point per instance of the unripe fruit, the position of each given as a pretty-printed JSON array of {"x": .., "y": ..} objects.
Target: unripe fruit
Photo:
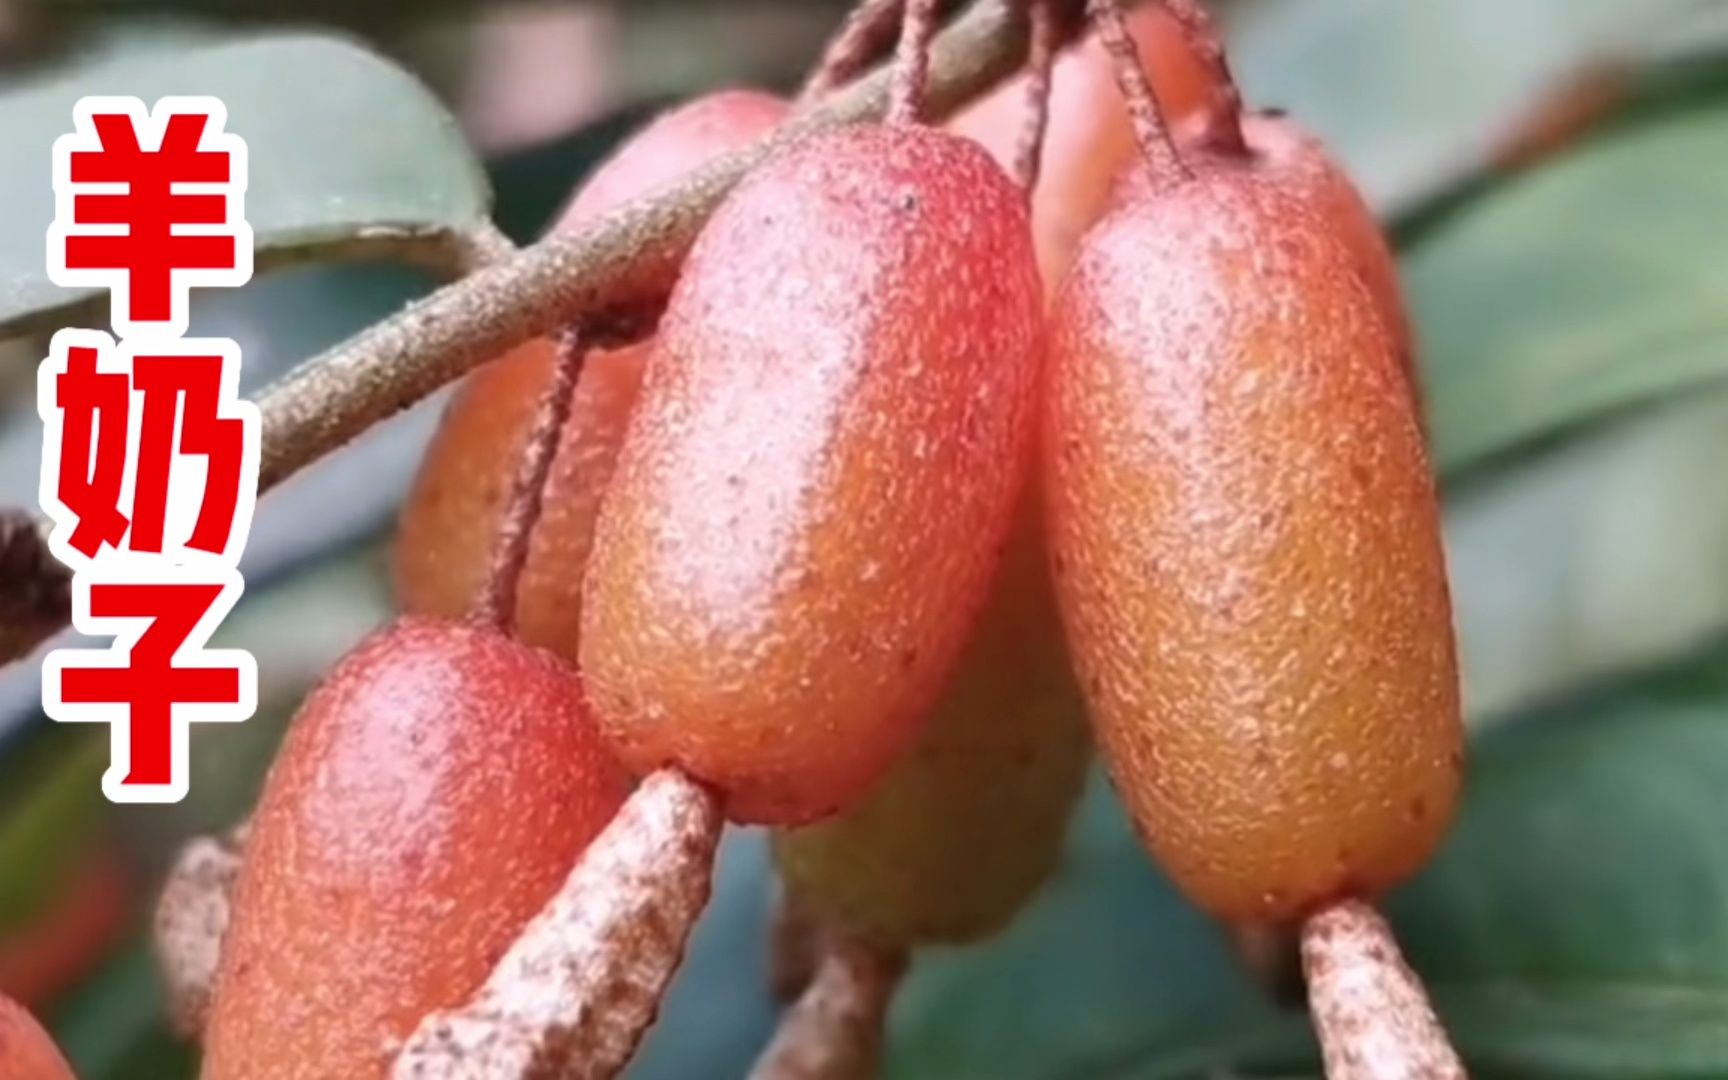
[
  {"x": 815, "y": 488},
  {"x": 26, "y": 1051},
  {"x": 970, "y": 822},
  {"x": 431, "y": 795},
  {"x": 1088, "y": 140},
  {"x": 449, "y": 523},
  {"x": 1247, "y": 548}
]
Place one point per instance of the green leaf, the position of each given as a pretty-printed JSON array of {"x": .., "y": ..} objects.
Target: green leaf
[
  {"x": 1606, "y": 554},
  {"x": 1576, "y": 922},
  {"x": 1398, "y": 90},
  {"x": 1592, "y": 285},
  {"x": 1574, "y": 925},
  {"x": 347, "y": 155}
]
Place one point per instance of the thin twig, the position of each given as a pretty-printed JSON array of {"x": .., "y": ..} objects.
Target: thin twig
[
  {"x": 1041, "y": 59},
  {"x": 496, "y": 604},
  {"x": 912, "y": 62},
  {"x": 835, "y": 1030},
  {"x": 576, "y": 991},
  {"x": 1150, "y": 130},
  {"x": 1224, "y": 112},
  {"x": 861, "y": 38},
  {"x": 1371, "y": 1012},
  {"x": 482, "y": 245}
]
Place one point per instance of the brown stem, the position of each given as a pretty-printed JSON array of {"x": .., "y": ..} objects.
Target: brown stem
[
  {"x": 1041, "y": 58},
  {"x": 861, "y": 38},
  {"x": 496, "y": 605},
  {"x": 482, "y": 245},
  {"x": 191, "y": 921},
  {"x": 835, "y": 1030},
  {"x": 576, "y": 991},
  {"x": 1372, "y": 1014},
  {"x": 792, "y": 947},
  {"x": 1150, "y": 130},
  {"x": 912, "y": 62},
  {"x": 1223, "y": 130}
]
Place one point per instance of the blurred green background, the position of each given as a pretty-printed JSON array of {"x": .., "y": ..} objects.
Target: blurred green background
[{"x": 1573, "y": 318}]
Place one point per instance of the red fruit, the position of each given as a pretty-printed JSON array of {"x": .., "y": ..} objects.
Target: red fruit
[
  {"x": 1088, "y": 140},
  {"x": 430, "y": 797},
  {"x": 1247, "y": 547},
  {"x": 449, "y": 524},
  {"x": 26, "y": 1051},
  {"x": 674, "y": 144},
  {"x": 820, "y": 475}
]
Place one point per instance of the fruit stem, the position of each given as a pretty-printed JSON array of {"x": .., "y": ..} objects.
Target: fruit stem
[
  {"x": 867, "y": 30},
  {"x": 575, "y": 992},
  {"x": 1150, "y": 130},
  {"x": 835, "y": 1030},
  {"x": 1223, "y": 118},
  {"x": 792, "y": 947},
  {"x": 912, "y": 62},
  {"x": 190, "y": 922},
  {"x": 1372, "y": 1013},
  {"x": 496, "y": 604},
  {"x": 1040, "y": 59}
]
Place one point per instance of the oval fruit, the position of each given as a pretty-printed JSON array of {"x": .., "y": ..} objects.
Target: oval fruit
[
  {"x": 813, "y": 493},
  {"x": 1283, "y": 152},
  {"x": 1247, "y": 548},
  {"x": 431, "y": 795},
  {"x": 970, "y": 822},
  {"x": 449, "y": 523}
]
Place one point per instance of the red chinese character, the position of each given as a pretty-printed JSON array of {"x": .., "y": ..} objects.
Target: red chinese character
[
  {"x": 175, "y": 420},
  {"x": 125, "y": 222},
  {"x": 155, "y": 680},
  {"x": 94, "y": 434}
]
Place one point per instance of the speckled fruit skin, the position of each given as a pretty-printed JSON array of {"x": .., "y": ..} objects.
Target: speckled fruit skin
[
  {"x": 430, "y": 796},
  {"x": 1088, "y": 139},
  {"x": 26, "y": 1051},
  {"x": 1282, "y": 151},
  {"x": 1247, "y": 550},
  {"x": 970, "y": 822},
  {"x": 449, "y": 522},
  {"x": 821, "y": 471}
]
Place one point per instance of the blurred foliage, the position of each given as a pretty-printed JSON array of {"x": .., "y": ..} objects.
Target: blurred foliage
[{"x": 1574, "y": 325}]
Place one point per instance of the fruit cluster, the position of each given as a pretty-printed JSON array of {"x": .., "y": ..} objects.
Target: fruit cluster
[{"x": 919, "y": 470}]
